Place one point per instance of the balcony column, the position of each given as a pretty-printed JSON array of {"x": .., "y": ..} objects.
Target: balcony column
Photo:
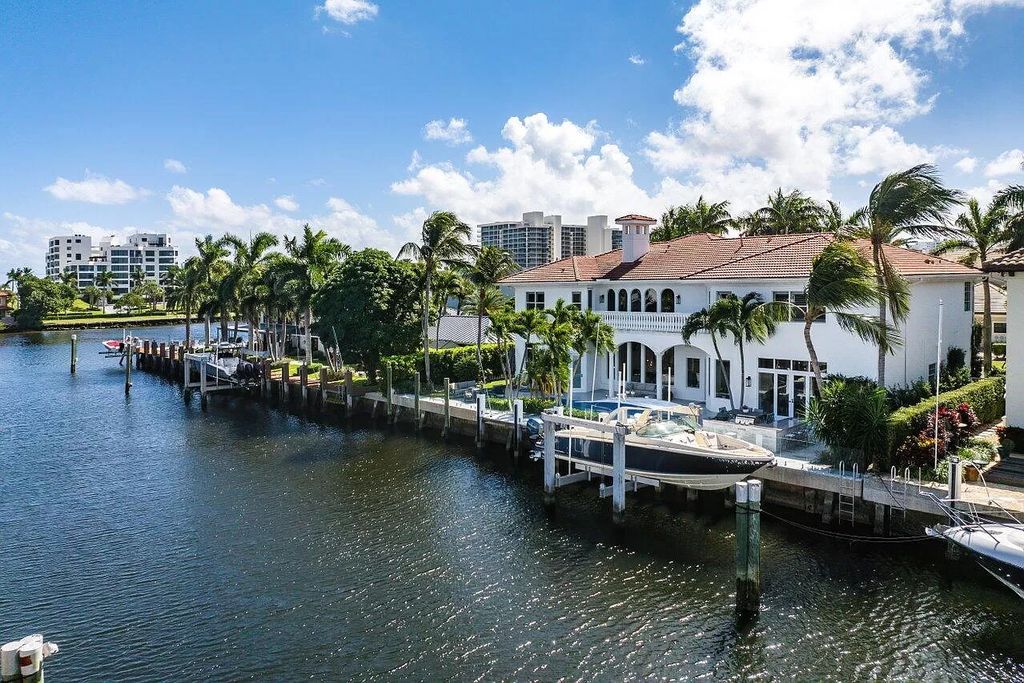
[
  {"x": 657, "y": 374},
  {"x": 629, "y": 361}
]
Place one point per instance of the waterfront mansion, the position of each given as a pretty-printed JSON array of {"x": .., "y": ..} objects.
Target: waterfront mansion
[{"x": 645, "y": 291}]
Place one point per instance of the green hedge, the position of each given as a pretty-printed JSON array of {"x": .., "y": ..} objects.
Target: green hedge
[
  {"x": 458, "y": 364},
  {"x": 985, "y": 396}
]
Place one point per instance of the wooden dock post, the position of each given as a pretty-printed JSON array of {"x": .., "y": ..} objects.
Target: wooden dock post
[
  {"x": 127, "y": 368},
  {"x": 285, "y": 392},
  {"x": 390, "y": 390},
  {"x": 348, "y": 391},
  {"x": 447, "y": 407},
  {"x": 202, "y": 385},
  {"x": 416, "y": 399},
  {"x": 517, "y": 427},
  {"x": 161, "y": 363},
  {"x": 619, "y": 474},
  {"x": 74, "y": 353},
  {"x": 322, "y": 401},
  {"x": 549, "y": 462},
  {"x": 304, "y": 386},
  {"x": 481, "y": 406},
  {"x": 748, "y": 546}
]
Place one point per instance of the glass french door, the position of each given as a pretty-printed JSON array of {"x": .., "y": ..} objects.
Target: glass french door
[
  {"x": 800, "y": 394},
  {"x": 766, "y": 392}
]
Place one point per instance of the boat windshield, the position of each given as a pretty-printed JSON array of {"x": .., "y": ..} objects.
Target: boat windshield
[{"x": 665, "y": 428}]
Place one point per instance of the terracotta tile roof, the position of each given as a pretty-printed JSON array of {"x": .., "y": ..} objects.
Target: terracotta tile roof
[
  {"x": 708, "y": 257},
  {"x": 1007, "y": 263},
  {"x": 635, "y": 217}
]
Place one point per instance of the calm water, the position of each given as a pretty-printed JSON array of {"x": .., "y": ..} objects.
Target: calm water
[{"x": 156, "y": 542}]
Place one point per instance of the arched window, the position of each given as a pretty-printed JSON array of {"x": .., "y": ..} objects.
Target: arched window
[
  {"x": 668, "y": 301},
  {"x": 634, "y": 300},
  {"x": 611, "y": 299},
  {"x": 623, "y": 300},
  {"x": 650, "y": 301}
]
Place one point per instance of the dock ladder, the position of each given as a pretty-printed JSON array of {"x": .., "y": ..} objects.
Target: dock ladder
[
  {"x": 847, "y": 492},
  {"x": 898, "y": 489}
]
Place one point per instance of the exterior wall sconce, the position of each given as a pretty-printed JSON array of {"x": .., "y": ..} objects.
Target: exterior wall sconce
[
  {"x": 601, "y": 298},
  {"x": 679, "y": 299},
  {"x": 747, "y": 382}
]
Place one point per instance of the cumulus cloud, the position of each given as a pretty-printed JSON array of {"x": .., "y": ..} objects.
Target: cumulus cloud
[
  {"x": 23, "y": 240},
  {"x": 286, "y": 202},
  {"x": 966, "y": 165},
  {"x": 637, "y": 60},
  {"x": 882, "y": 150},
  {"x": 174, "y": 166},
  {"x": 349, "y": 12},
  {"x": 95, "y": 189},
  {"x": 1007, "y": 163},
  {"x": 453, "y": 132}
]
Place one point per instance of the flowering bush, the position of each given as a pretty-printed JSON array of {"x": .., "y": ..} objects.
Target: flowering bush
[{"x": 954, "y": 429}]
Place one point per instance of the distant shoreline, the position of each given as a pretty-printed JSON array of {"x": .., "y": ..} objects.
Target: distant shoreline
[{"x": 112, "y": 323}]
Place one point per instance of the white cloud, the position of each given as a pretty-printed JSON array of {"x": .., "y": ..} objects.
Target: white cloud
[
  {"x": 174, "y": 166},
  {"x": 316, "y": 182},
  {"x": 454, "y": 132},
  {"x": 286, "y": 202},
  {"x": 415, "y": 161},
  {"x": 95, "y": 189},
  {"x": 214, "y": 209},
  {"x": 349, "y": 11},
  {"x": 966, "y": 165},
  {"x": 796, "y": 91},
  {"x": 1007, "y": 163},
  {"x": 24, "y": 240},
  {"x": 637, "y": 60}
]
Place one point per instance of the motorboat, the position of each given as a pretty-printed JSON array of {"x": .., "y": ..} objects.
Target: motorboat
[
  {"x": 225, "y": 364},
  {"x": 667, "y": 444}
]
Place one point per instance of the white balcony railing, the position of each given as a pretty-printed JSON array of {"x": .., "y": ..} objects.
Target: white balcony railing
[{"x": 644, "y": 322}]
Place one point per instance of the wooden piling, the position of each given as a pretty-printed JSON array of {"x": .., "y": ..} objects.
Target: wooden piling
[
  {"x": 161, "y": 363},
  {"x": 304, "y": 386},
  {"x": 416, "y": 399},
  {"x": 447, "y": 407},
  {"x": 390, "y": 390},
  {"x": 74, "y": 353},
  {"x": 549, "y": 462},
  {"x": 348, "y": 391},
  {"x": 619, "y": 474},
  {"x": 127, "y": 368},
  {"x": 285, "y": 395},
  {"x": 748, "y": 546},
  {"x": 481, "y": 406},
  {"x": 322, "y": 401}
]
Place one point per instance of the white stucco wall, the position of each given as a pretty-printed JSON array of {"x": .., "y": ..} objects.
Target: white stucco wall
[{"x": 1015, "y": 349}]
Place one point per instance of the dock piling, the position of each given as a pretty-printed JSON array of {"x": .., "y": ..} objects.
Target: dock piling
[
  {"x": 389, "y": 388},
  {"x": 285, "y": 396},
  {"x": 549, "y": 462},
  {"x": 481, "y": 406},
  {"x": 74, "y": 353},
  {"x": 304, "y": 386},
  {"x": 447, "y": 407},
  {"x": 127, "y": 368},
  {"x": 748, "y": 546},
  {"x": 416, "y": 399},
  {"x": 619, "y": 474}
]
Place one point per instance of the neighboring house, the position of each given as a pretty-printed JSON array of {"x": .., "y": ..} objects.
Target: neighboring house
[
  {"x": 1011, "y": 266},
  {"x": 998, "y": 310},
  {"x": 540, "y": 239},
  {"x": 646, "y": 291},
  {"x": 152, "y": 253},
  {"x": 6, "y": 297},
  {"x": 456, "y": 330}
]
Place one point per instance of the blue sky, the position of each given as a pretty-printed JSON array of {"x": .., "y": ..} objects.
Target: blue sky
[{"x": 195, "y": 117}]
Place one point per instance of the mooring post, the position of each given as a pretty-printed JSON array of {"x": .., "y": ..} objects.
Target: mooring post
[
  {"x": 481, "y": 403},
  {"x": 202, "y": 385},
  {"x": 753, "y": 578},
  {"x": 323, "y": 390},
  {"x": 416, "y": 399},
  {"x": 348, "y": 390},
  {"x": 447, "y": 407},
  {"x": 619, "y": 474},
  {"x": 285, "y": 393},
  {"x": 304, "y": 386},
  {"x": 517, "y": 410},
  {"x": 742, "y": 541},
  {"x": 127, "y": 368},
  {"x": 74, "y": 353},
  {"x": 163, "y": 354},
  {"x": 955, "y": 480},
  {"x": 389, "y": 390},
  {"x": 549, "y": 462}
]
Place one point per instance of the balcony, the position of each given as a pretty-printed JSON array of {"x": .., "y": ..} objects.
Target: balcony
[{"x": 644, "y": 322}]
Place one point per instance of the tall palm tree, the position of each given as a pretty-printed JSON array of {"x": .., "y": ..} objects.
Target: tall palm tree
[
  {"x": 691, "y": 219},
  {"x": 70, "y": 278},
  {"x": 596, "y": 336},
  {"x": 105, "y": 281},
  {"x": 978, "y": 234},
  {"x": 313, "y": 260},
  {"x": 491, "y": 265},
  {"x": 212, "y": 265},
  {"x": 713, "y": 320},
  {"x": 842, "y": 278},
  {"x": 138, "y": 277},
  {"x": 245, "y": 276},
  {"x": 444, "y": 243},
  {"x": 486, "y": 302},
  {"x": 910, "y": 203},
  {"x": 752, "y": 320},
  {"x": 784, "y": 214},
  {"x": 834, "y": 221},
  {"x": 1011, "y": 200},
  {"x": 448, "y": 283},
  {"x": 530, "y": 324},
  {"x": 185, "y": 290}
]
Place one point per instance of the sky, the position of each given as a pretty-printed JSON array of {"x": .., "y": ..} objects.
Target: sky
[{"x": 361, "y": 117}]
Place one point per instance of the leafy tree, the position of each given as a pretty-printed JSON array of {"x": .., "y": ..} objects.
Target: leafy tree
[
  {"x": 444, "y": 243},
  {"x": 596, "y": 336},
  {"x": 693, "y": 219},
  {"x": 370, "y": 302},
  {"x": 311, "y": 263},
  {"x": 244, "y": 284},
  {"x": 132, "y": 301},
  {"x": 978, "y": 234},
  {"x": 185, "y": 291},
  {"x": 909, "y": 203},
  {"x": 41, "y": 297},
  {"x": 138, "y": 277},
  {"x": 151, "y": 292},
  {"x": 70, "y": 278}
]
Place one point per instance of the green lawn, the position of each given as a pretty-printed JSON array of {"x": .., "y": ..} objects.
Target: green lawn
[{"x": 122, "y": 319}]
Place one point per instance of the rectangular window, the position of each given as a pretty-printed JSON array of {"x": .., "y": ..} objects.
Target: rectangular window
[
  {"x": 765, "y": 363},
  {"x": 781, "y": 364},
  {"x": 534, "y": 300},
  {"x": 577, "y": 300},
  {"x": 801, "y": 366},
  {"x": 693, "y": 373},
  {"x": 723, "y": 295},
  {"x": 968, "y": 295},
  {"x": 931, "y": 374},
  {"x": 999, "y": 328},
  {"x": 722, "y": 379}
]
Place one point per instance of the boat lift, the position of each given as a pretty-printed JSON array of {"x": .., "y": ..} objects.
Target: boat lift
[{"x": 205, "y": 383}]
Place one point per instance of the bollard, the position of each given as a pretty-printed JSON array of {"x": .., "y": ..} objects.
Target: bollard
[
  {"x": 416, "y": 399},
  {"x": 748, "y": 546},
  {"x": 481, "y": 403},
  {"x": 619, "y": 474},
  {"x": 74, "y": 353},
  {"x": 447, "y": 407},
  {"x": 955, "y": 480},
  {"x": 22, "y": 660},
  {"x": 127, "y": 368},
  {"x": 549, "y": 462}
]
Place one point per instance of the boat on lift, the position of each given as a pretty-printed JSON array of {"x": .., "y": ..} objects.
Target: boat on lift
[{"x": 667, "y": 444}]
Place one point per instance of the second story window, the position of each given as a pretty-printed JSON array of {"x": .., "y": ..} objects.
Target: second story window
[{"x": 535, "y": 301}]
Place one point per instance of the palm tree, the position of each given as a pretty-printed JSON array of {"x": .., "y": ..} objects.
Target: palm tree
[
  {"x": 548, "y": 367},
  {"x": 752, "y": 320},
  {"x": 138, "y": 277},
  {"x": 1011, "y": 200},
  {"x": 598, "y": 337},
  {"x": 313, "y": 260},
  {"x": 491, "y": 265},
  {"x": 212, "y": 267},
  {"x": 185, "y": 289},
  {"x": 713, "y": 320},
  {"x": 784, "y": 214},
  {"x": 444, "y": 242},
  {"x": 978, "y": 234},
  {"x": 842, "y": 278},
  {"x": 910, "y": 203},
  {"x": 530, "y": 323},
  {"x": 105, "y": 281},
  {"x": 246, "y": 274},
  {"x": 447, "y": 283},
  {"x": 692, "y": 219},
  {"x": 70, "y": 278},
  {"x": 488, "y": 302}
]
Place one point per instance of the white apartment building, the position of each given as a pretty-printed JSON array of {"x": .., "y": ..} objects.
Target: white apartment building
[
  {"x": 646, "y": 291},
  {"x": 152, "y": 253},
  {"x": 540, "y": 239}
]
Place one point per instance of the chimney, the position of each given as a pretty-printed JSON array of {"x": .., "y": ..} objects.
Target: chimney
[
  {"x": 636, "y": 236},
  {"x": 599, "y": 239}
]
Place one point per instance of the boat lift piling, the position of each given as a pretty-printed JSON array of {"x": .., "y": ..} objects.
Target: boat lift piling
[
  {"x": 127, "y": 368},
  {"x": 74, "y": 353},
  {"x": 447, "y": 407},
  {"x": 748, "y": 546}
]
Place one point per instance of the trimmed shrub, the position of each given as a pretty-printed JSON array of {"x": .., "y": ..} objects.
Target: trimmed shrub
[
  {"x": 458, "y": 364},
  {"x": 985, "y": 396}
]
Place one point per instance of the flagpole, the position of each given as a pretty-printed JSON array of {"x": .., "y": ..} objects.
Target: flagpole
[{"x": 938, "y": 376}]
